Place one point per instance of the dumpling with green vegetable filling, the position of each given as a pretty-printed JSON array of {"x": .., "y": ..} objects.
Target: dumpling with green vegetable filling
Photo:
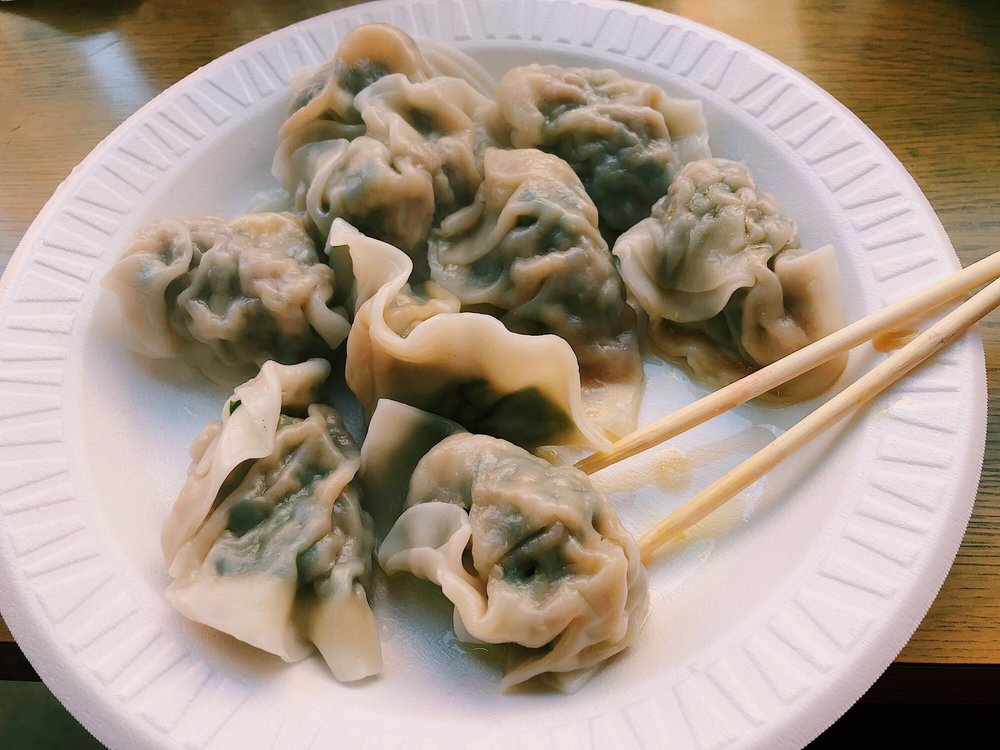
[
  {"x": 388, "y": 136},
  {"x": 324, "y": 100},
  {"x": 419, "y": 158},
  {"x": 226, "y": 296},
  {"x": 411, "y": 343},
  {"x": 529, "y": 251},
  {"x": 268, "y": 540},
  {"x": 442, "y": 125},
  {"x": 728, "y": 289},
  {"x": 359, "y": 182},
  {"x": 625, "y": 139},
  {"x": 529, "y": 553}
]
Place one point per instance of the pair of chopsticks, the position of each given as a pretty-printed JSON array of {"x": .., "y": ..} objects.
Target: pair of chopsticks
[{"x": 861, "y": 391}]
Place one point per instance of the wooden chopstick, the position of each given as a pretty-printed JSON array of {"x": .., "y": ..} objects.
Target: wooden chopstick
[
  {"x": 794, "y": 364},
  {"x": 864, "y": 389}
]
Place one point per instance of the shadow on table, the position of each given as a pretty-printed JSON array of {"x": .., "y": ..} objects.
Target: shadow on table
[
  {"x": 877, "y": 725},
  {"x": 32, "y": 719},
  {"x": 73, "y": 16}
]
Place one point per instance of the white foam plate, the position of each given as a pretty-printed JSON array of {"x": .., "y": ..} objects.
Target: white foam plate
[{"x": 768, "y": 620}]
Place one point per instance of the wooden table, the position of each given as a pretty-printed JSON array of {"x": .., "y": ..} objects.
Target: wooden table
[{"x": 924, "y": 76}]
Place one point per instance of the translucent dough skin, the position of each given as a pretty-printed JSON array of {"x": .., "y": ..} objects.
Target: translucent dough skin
[
  {"x": 364, "y": 56},
  {"x": 416, "y": 158},
  {"x": 719, "y": 271},
  {"x": 358, "y": 181},
  {"x": 624, "y": 139},
  {"x": 441, "y": 125},
  {"x": 272, "y": 544},
  {"x": 398, "y": 437},
  {"x": 411, "y": 344},
  {"x": 227, "y": 296},
  {"x": 387, "y": 139},
  {"x": 547, "y": 565},
  {"x": 529, "y": 251},
  {"x": 367, "y": 54}
]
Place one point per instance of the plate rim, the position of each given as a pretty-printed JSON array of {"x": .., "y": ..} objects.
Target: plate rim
[{"x": 65, "y": 677}]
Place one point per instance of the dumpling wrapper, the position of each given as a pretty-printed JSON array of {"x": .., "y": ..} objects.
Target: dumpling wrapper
[
  {"x": 530, "y": 555},
  {"x": 274, "y": 547},
  {"x": 719, "y": 271},
  {"x": 386, "y": 137},
  {"x": 226, "y": 296},
  {"x": 625, "y": 139},
  {"x": 360, "y": 182},
  {"x": 365, "y": 55},
  {"x": 417, "y": 348},
  {"x": 529, "y": 251},
  {"x": 398, "y": 437},
  {"x": 418, "y": 158},
  {"x": 242, "y": 434}
]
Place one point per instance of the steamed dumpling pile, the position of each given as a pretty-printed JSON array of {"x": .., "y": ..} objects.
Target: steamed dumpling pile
[
  {"x": 530, "y": 555},
  {"x": 480, "y": 287},
  {"x": 719, "y": 270},
  {"x": 226, "y": 296},
  {"x": 268, "y": 541},
  {"x": 625, "y": 139}
]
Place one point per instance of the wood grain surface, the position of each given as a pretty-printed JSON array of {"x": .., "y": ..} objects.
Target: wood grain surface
[{"x": 925, "y": 77}]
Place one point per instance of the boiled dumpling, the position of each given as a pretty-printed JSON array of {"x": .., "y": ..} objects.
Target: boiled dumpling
[
  {"x": 418, "y": 159},
  {"x": 268, "y": 541},
  {"x": 366, "y": 54},
  {"x": 411, "y": 344},
  {"x": 529, "y": 251},
  {"x": 625, "y": 139},
  {"x": 441, "y": 125},
  {"x": 398, "y": 436},
  {"x": 386, "y": 139},
  {"x": 529, "y": 553},
  {"x": 359, "y": 182},
  {"x": 227, "y": 296},
  {"x": 719, "y": 271}
]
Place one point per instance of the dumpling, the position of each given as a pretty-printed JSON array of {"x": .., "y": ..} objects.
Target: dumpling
[
  {"x": 442, "y": 125},
  {"x": 529, "y": 251},
  {"x": 719, "y": 271},
  {"x": 385, "y": 138},
  {"x": 420, "y": 158},
  {"x": 398, "y": 437},
  {"x": 360, "y": 182},
  {"x": 365, "y": 55},
  {"x": 449, "y": 61},
  {"x": 625, "y": 139},
  {"x": 227, "y": 296},
  {"x": 529, "y": 553},
  {"x": 268, "y": 541},
  {"x": 411, "y": 344}
]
